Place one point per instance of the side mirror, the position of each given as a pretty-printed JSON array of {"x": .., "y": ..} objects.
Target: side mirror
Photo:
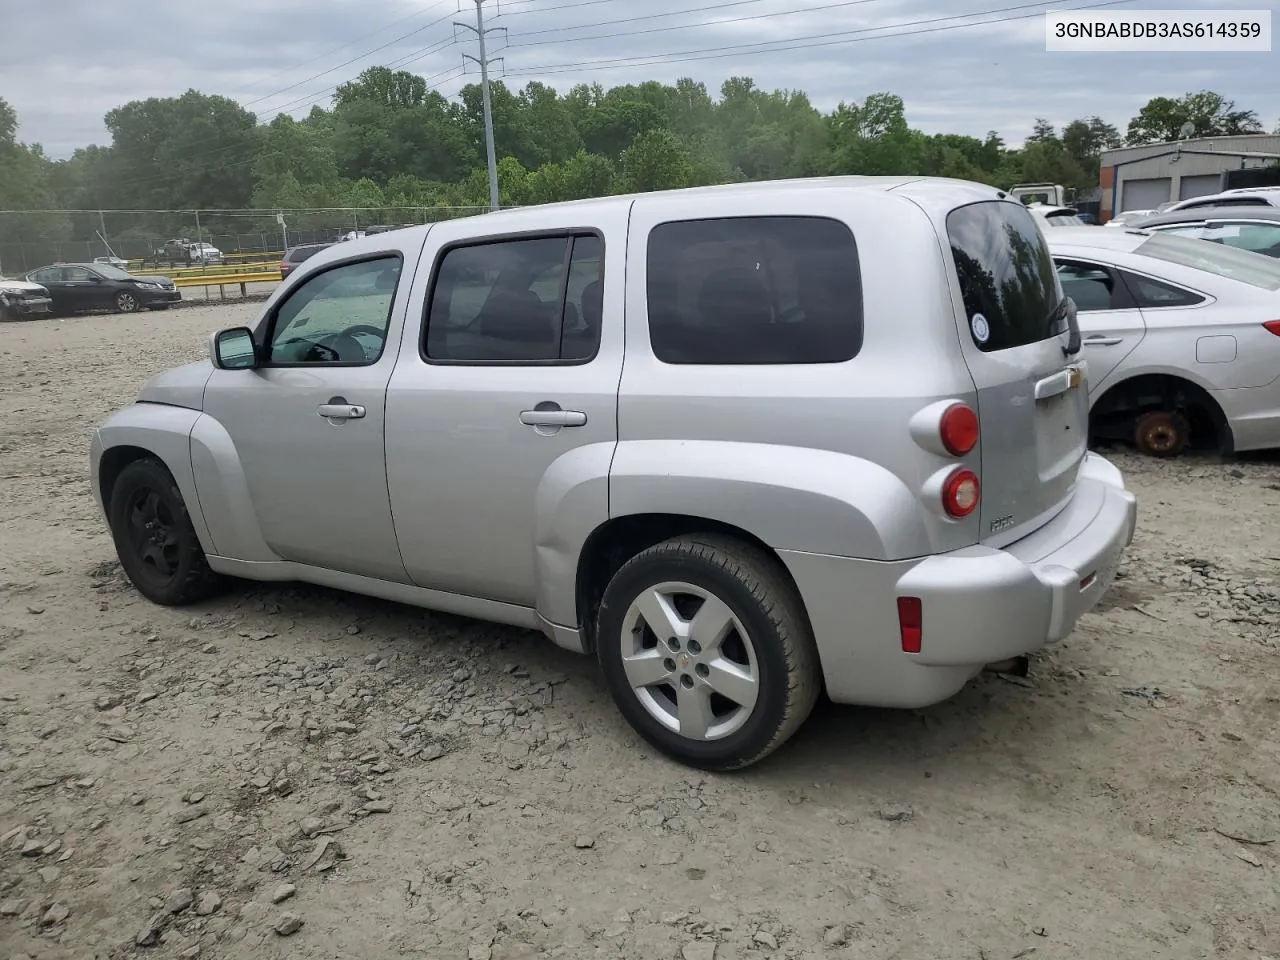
[{"x": 233, "y": 349}]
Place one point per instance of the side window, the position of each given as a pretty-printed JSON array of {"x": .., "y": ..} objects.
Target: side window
[
  {"x": 1151, "y": 294},
  {"x": 47, "y": 275},
  {"x": 1193, "y": 230},
  {"x": 1261, "y": 238},
  {"x": 754, "y": 290},
  {"x": 338, "y": 316},
  {"x": 1090, "y": 286},
  {"x": 78, "y": 274},
  {"x": 517, "y": 301}
]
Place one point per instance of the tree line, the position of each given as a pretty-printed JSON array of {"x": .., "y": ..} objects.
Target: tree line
[{"x": 388, "y": 140}]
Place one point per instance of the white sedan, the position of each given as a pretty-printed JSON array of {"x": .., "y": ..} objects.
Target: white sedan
[{"x": 1181, "y": 338}]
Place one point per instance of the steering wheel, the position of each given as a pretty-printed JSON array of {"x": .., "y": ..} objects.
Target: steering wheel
[{"x": 365, "y": 328}]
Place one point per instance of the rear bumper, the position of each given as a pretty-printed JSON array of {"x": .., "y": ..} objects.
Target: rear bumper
[{"x": 979, "y": 604}]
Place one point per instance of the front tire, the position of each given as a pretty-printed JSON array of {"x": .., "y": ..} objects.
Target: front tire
[
  {"x": 154, "y": 538},
  {"x": 126, "y": 302},
  {"x": 707, "y": 651}
]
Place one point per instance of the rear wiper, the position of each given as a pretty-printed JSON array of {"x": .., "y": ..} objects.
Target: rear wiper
[{"x": 1066, "y": 310}]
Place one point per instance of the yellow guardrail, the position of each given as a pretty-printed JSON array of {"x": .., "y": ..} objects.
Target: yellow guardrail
[
  {"x": 211, "y": 269},
  {"x": 228, "y": 279}
]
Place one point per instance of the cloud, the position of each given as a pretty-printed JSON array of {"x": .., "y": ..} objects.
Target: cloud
[{"x": 962, "y": 66}]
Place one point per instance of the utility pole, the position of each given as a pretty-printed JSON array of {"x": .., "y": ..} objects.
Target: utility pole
[{"x": 483, "y": 60}]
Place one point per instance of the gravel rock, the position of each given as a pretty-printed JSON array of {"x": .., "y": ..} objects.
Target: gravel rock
[
  {"x": 179, "y": 900},
  {"x": 287, "y": 924},
  {"x": 283, "y": 892},
  {"x": 208, "y": 904}
]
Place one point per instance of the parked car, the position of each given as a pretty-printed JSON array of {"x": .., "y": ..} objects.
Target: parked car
[
  {"x": 1239, "y": 197},
  {"x": 805, "y": 474},
  {"x": 186, "y": 253},
  {"x": 113, "y": 261},
  {"x": 1055, "y": 216},
  {"x": 23, "y": 300},
  {"x": 1252, "y": 228},
  {"x": 205, "y": 253},
  {"x": 1128, "y": 218},
  {"x": 299, "y": 254},
  {"x": 1182, "y": 339},
  {"x": 76, "y": 287}
]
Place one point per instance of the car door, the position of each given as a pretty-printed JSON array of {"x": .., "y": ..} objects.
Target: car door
[
  {"x": 88, "y": 289},
  {"x": 507, "y": 401},
  {"x": 51, "y": 279},
  {"x": 1111, "y": 325},
  {"x": 307, "y": 424}
]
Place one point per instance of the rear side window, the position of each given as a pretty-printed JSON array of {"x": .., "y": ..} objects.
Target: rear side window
[
  {"x": 754, "y": 290},
  {"x": 1152, "y": 294},
  {"x": 532, "y": 300},
  {"x": 1091, "y": 287},
  {"x": 1011, "y": 294}
]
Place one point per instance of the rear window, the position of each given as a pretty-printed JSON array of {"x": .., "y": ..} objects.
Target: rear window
[
  {"x": 298, "y": 254},
  {"x": 1011, "y": 293},
  {"x": 754, "y": 290},
  {"x": 1216, "y": 258}
]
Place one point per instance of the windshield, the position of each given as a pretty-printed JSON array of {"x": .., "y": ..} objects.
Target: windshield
[
  {"x": 110, "y": 272},
  {"x": 1254, "y": 269}
]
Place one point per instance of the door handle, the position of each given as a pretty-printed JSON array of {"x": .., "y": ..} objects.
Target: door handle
[
  {"x": 340, "y": 411},
  {"x": 1100, "y": 341},
  {"x": 553, "y": 418}
]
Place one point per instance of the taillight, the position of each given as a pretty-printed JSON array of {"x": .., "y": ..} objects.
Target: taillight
[
  {"x": 910, "y": 623},
  {"x": 960, "y": 494},
  {"x": 283, "y": 265},
  {"x": 959, "y": 429},
  {"x": 1273, "y": 326}
]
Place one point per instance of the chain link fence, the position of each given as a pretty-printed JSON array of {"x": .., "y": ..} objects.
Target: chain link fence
[{"x": 35, "y": 238}]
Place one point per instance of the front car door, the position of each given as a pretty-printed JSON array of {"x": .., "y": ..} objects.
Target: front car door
[
  {"x": 1111, "y": 324},
  {"x": 307, "y": 424},
  {"x": 503, "y": 410}
]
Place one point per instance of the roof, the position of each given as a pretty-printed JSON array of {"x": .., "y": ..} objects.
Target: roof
[{"x": 1197, "y": 214}]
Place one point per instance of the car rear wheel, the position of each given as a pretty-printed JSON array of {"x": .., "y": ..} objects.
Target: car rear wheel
[
  {"x": 1162, "y": 433},
  {"x": 706, "y": 649},
  {"x": 126, "y": 302},
  {"x": 154, "y": 538}
]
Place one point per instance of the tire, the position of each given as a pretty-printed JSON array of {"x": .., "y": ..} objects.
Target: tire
[
  {"x": 1161, "y": 433},
  {"x": 765, "y": 651},
  {"x": 164, "y": 560},
  {"x": 126, "y": 302}
]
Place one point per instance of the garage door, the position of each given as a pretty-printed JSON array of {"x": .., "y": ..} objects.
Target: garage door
[
  {"x": 1199, "y": 186},
  {"x": 1145, "y": 194}
]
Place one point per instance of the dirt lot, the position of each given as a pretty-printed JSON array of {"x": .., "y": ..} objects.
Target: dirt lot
[{"x": 409, "y": 784}]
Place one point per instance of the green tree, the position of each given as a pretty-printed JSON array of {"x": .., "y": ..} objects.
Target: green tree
[
  {"x": 656, "y": 160},
  {"x": 1210, "y": 115}
]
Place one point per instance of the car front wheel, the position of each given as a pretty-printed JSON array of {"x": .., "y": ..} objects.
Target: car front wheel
[
  {"x": 154, "y": 538},
  {"x": 126, "y": 302},
  {"x": 707, "y": 651}
]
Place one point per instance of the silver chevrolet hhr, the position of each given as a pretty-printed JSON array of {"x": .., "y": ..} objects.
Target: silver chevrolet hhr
[{"x": 741, "y": 443}]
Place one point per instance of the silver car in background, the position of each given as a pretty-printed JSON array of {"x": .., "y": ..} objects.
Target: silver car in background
[
  {"x": 1182, "y": 338},
  {"x": 740, "y": 443}
]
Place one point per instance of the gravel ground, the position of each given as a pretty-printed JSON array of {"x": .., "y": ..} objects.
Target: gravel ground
[{"x": 293, "y": 772}]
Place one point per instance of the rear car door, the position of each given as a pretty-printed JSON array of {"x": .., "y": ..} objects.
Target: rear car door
[
  {"x": 504, "y": 407},
  {"x": 1111, "y": 325},
  {"x": 51, "y": 279},
  {"x": 1014, "y": 325}
]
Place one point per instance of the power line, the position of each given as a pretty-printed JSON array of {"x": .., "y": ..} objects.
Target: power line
[
  {"x": 349, "y": 43},
  {"x": 674, "y": 13},
  {"x": 690, "y": 26},
  {"x": 818, "y": 40}
]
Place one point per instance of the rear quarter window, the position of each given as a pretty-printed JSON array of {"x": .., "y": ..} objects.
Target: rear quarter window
[
  {"x": 1007, "y": 278},
  {"x": 754, "y": 290}
]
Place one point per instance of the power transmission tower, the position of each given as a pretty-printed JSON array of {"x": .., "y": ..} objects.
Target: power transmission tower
[{"x": 483, "y": 60}]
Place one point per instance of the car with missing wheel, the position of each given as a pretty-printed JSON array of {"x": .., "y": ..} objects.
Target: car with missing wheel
[
  {"x": 83, "y": 287},
  {"x": 709, "y": 436},
  {"x": 22, "y": 300},
  {"x": 1182, "y": 339}
]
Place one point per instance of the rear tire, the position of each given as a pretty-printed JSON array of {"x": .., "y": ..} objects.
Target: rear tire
[
  {"x": 1162, "y": 433},
  {"x": 742, "y": 674},
  {"x": 154, "y": 537}
]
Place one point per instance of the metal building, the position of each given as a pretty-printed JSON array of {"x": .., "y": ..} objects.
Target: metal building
[{"x": 1142, "y": 178}]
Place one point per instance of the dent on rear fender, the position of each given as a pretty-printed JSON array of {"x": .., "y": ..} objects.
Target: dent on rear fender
[
  {"x": 223, "y": 493},
  {"x": 165, "y": 432},
  {"x": 792, "y": 498},
  {"x": 572, "y": 501}
]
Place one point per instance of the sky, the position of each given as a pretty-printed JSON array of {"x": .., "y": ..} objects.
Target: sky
[{"x": 961, "y": 66}]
